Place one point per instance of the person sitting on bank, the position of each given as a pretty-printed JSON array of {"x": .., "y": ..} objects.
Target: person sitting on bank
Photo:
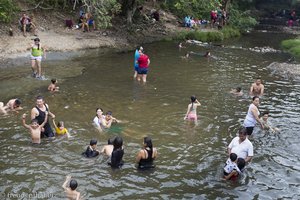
[
  {"x": 91, "y": 150},
  {"x": 146, "y": 155},
  {"x": 117, "y": 153},
  {"x": 27, "y": 24}
]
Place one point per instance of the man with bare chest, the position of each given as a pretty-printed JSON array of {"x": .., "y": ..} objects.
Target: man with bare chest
[{"x": 257, "y": 88}]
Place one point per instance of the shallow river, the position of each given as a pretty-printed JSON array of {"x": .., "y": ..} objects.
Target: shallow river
[{"x": 190, "y": 157}]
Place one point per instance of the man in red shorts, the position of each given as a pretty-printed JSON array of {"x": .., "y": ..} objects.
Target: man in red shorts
[{"x": 143, "y": 62}]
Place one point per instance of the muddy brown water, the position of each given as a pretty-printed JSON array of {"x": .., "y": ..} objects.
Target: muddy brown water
[{"x": 190, "y": 157}]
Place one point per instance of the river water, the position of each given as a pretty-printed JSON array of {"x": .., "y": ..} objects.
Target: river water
[{"x": 190, "y": 161}]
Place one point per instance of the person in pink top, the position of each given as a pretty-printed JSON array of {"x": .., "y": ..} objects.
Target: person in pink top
[{"x": 143, "y": 62}]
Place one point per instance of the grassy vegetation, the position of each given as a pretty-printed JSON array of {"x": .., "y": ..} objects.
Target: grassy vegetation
[
  {"x": 208, "y": 36},
  {"x": 292, "y": 45}
]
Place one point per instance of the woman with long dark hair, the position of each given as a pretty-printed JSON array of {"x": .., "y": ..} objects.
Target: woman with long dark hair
[{"x": 146, "y": 155}]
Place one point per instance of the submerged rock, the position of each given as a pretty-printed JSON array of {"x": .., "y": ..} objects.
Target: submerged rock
[{"x": 286, "y": 70}]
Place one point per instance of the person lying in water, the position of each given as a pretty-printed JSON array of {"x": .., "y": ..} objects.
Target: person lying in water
[
  {"x": 265, "y": 122},
  {"x": 237, "y": 91},
  {"x": 12, "y": 105}
]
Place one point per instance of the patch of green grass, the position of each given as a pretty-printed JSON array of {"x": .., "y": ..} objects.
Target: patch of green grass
[{"x": 288, "y": 44}]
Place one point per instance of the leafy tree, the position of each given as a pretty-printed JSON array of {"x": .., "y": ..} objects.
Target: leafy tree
[{"x": 7, "y": 9}]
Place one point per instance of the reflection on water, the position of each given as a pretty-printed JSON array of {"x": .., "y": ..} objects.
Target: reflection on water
[{"x": 190, "y": 157}]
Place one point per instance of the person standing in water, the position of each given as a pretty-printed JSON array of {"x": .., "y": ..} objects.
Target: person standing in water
[
  {"x": 39, "y": 113},
  {"x": 191, "y": 113},
  {"x": 146, "y": 155},
  {"x": 138, "y": 50},
  {"x": 257, "y": 88},
  {"x": 37, "y": 51},
  {"x": 143, "y": 62},
  {"x": 252, "y": 116}
]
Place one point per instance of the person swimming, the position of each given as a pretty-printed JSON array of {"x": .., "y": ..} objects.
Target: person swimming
[{"x": 237, "y": 91}]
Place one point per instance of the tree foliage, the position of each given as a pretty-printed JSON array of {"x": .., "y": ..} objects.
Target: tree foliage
[{"x": 7, "y": 10}]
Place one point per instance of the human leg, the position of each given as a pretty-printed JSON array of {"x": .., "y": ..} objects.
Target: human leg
[
  {"x": 33, "y": 67},
  {"x": 39, "y": 68},
  {"x": 144, "y": 76}
]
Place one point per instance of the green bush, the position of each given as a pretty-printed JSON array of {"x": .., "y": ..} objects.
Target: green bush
[
  {"x": 295, "y": 51},
  {"x": 7, "y": 10},
  {"x": 230, "y": 32},
  {"x": 288, "y": 44}
]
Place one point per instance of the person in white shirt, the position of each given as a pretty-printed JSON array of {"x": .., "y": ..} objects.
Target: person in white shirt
[{"x": 241, "y": 146}]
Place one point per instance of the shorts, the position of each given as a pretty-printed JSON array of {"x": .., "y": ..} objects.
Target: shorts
[
  {"x": 90, "y": 22},
  {"x": 142, "y": 70},
  {"x": 249, "y": 130},
  {"x": 192, "y": 117},
  {"x": 39, "y": 58}
]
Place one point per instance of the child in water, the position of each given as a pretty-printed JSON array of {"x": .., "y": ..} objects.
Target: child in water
[
  {"x": 231, "y": 164},
  {"x": 71, "y": 189},
  {"x": 91, "y": 150},
  {"x": 237, "y": 91},
  {"x": 34, "y": 128},
  {"x": 266, "y": 125},
  {"x": 60, "y": 128},
  {"x": 52, "y": 87},
  {"x": 191, "y": 113},
  {"x": 236, "y": 171}
]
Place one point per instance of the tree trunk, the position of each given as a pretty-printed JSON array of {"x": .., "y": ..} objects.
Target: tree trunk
[{"x": 128, "y": 9}]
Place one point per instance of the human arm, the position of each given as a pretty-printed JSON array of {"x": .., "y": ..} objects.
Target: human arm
[
  {"x": 187, "y": 112},
  {"x": 255, "y": 114},
  {"x": 262, "y": 90},
  {"x": 68, "y": 178},
  {"x": 44, "y": 52},
  {"x": 251, "y": 90},
  {"x": 148, "y": 61},
  {"x": 50, "y": 113},
  {"x": 249, "y": 153},
  {"x": 154, "y": 155},
  {"x": 45, "y": 121},
  {"x": 233, "y": 173},
  {"x": 34, "y": 113},
  {"x": 139, "y": 156},
  {"x": 24, "y": 122},
  {"x": 197, "y": 103},
  {"x": 54, "y": 124}
]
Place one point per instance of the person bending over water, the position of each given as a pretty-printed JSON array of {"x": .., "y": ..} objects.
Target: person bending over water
[
  {"x": 12, "y": 105},
  {"x": 34, "y": 128},
  {"x": 234, "y": 174},
  {"x": 137, "y": 53},
  {"x": 252, "y": 116},
  {"x": 191, "y": 113},
  {"x": 237, "y": 91},
  {"x": 146, "y": 155},
  {"x": 257, "y": 88},
  {"x": 91, "y": 150},
  {"x": 70, "y": 190},
  {"x": 117, "y": 153}
]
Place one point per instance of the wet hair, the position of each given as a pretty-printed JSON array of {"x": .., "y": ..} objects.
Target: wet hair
[
  {"x": 110, "y": 140},
  {"x": 118, "y": 143},
  {"x": 18, "y": 102},
  {"x": 39, "y": 97},
  {"x": 255, "y": 97},
  {"x": 93, "y": 142},
  {"x": 73, "y": 184},
  {"x": 108, "y": 113},
  {"x": 193, "y": 99},
  {"x": 148, "y": 142},
  {"x": 265, "y": 113},
  {"x": 238, "y": 89},
  {"x": 241, "y": 163},
  {"x": 60, "y": 124},
  {"x": 258, "y": 78},
  {"x": 243, "y": 131},
  {"x": 53, "y": 80},
  {"x": 37, "y": 40},
  {"x": 98, "y": 109},
  {"x": 233, "y": 157},
  {"x": 34, "y": 120}
]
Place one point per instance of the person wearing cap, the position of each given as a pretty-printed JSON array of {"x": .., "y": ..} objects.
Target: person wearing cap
[
  {"x": 37, "y": 51},
  {"x": 143, "y": 62},
  {"x": 137, "y": 53}
]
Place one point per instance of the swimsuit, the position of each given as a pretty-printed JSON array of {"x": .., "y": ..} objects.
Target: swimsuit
[
  {"x": 41, "y": 118},
  {"x": 90, "y": 153},
  {"x": 192, "y": 114},
  {"x": 147, "y": 163},
  {"x": 116, "y": 158}
]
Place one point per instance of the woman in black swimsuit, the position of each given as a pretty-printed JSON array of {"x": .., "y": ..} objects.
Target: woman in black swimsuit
[{"x": 146, "y": 155}]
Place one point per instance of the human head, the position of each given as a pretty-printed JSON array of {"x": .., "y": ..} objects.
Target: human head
[
  {"x": 36, "y": 40},
  {"x": 17, "y": 103},
  {"x": 73, "y": 184},
  {"x": 39, "y": 100},
  {"x": 110, "y": 141},
  {"x": 108, "y": 115},
  {"x": 99, "y": 112},
  {"x": 93, "y": 143},
  {"x": 53, "y": 80},
  {"x": 242, "y": 134},
  {"x": 233, "y": 157},
  {"x": 238, "y": 89},
  {"x": 34, "y": 123},
  {"x": 258, "y": 81},
  {"x": 255, "y": 100},
  {"x": 118, "y": 142},
  {"x": 148, "y": 142},
  {"x": 193, "y": 99},
  {"x": 265, "y": 115},
  {"x": 60, "y": 125},
  {"x": 241, "y": 163},
  {"x": 207, "y": 54}
]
